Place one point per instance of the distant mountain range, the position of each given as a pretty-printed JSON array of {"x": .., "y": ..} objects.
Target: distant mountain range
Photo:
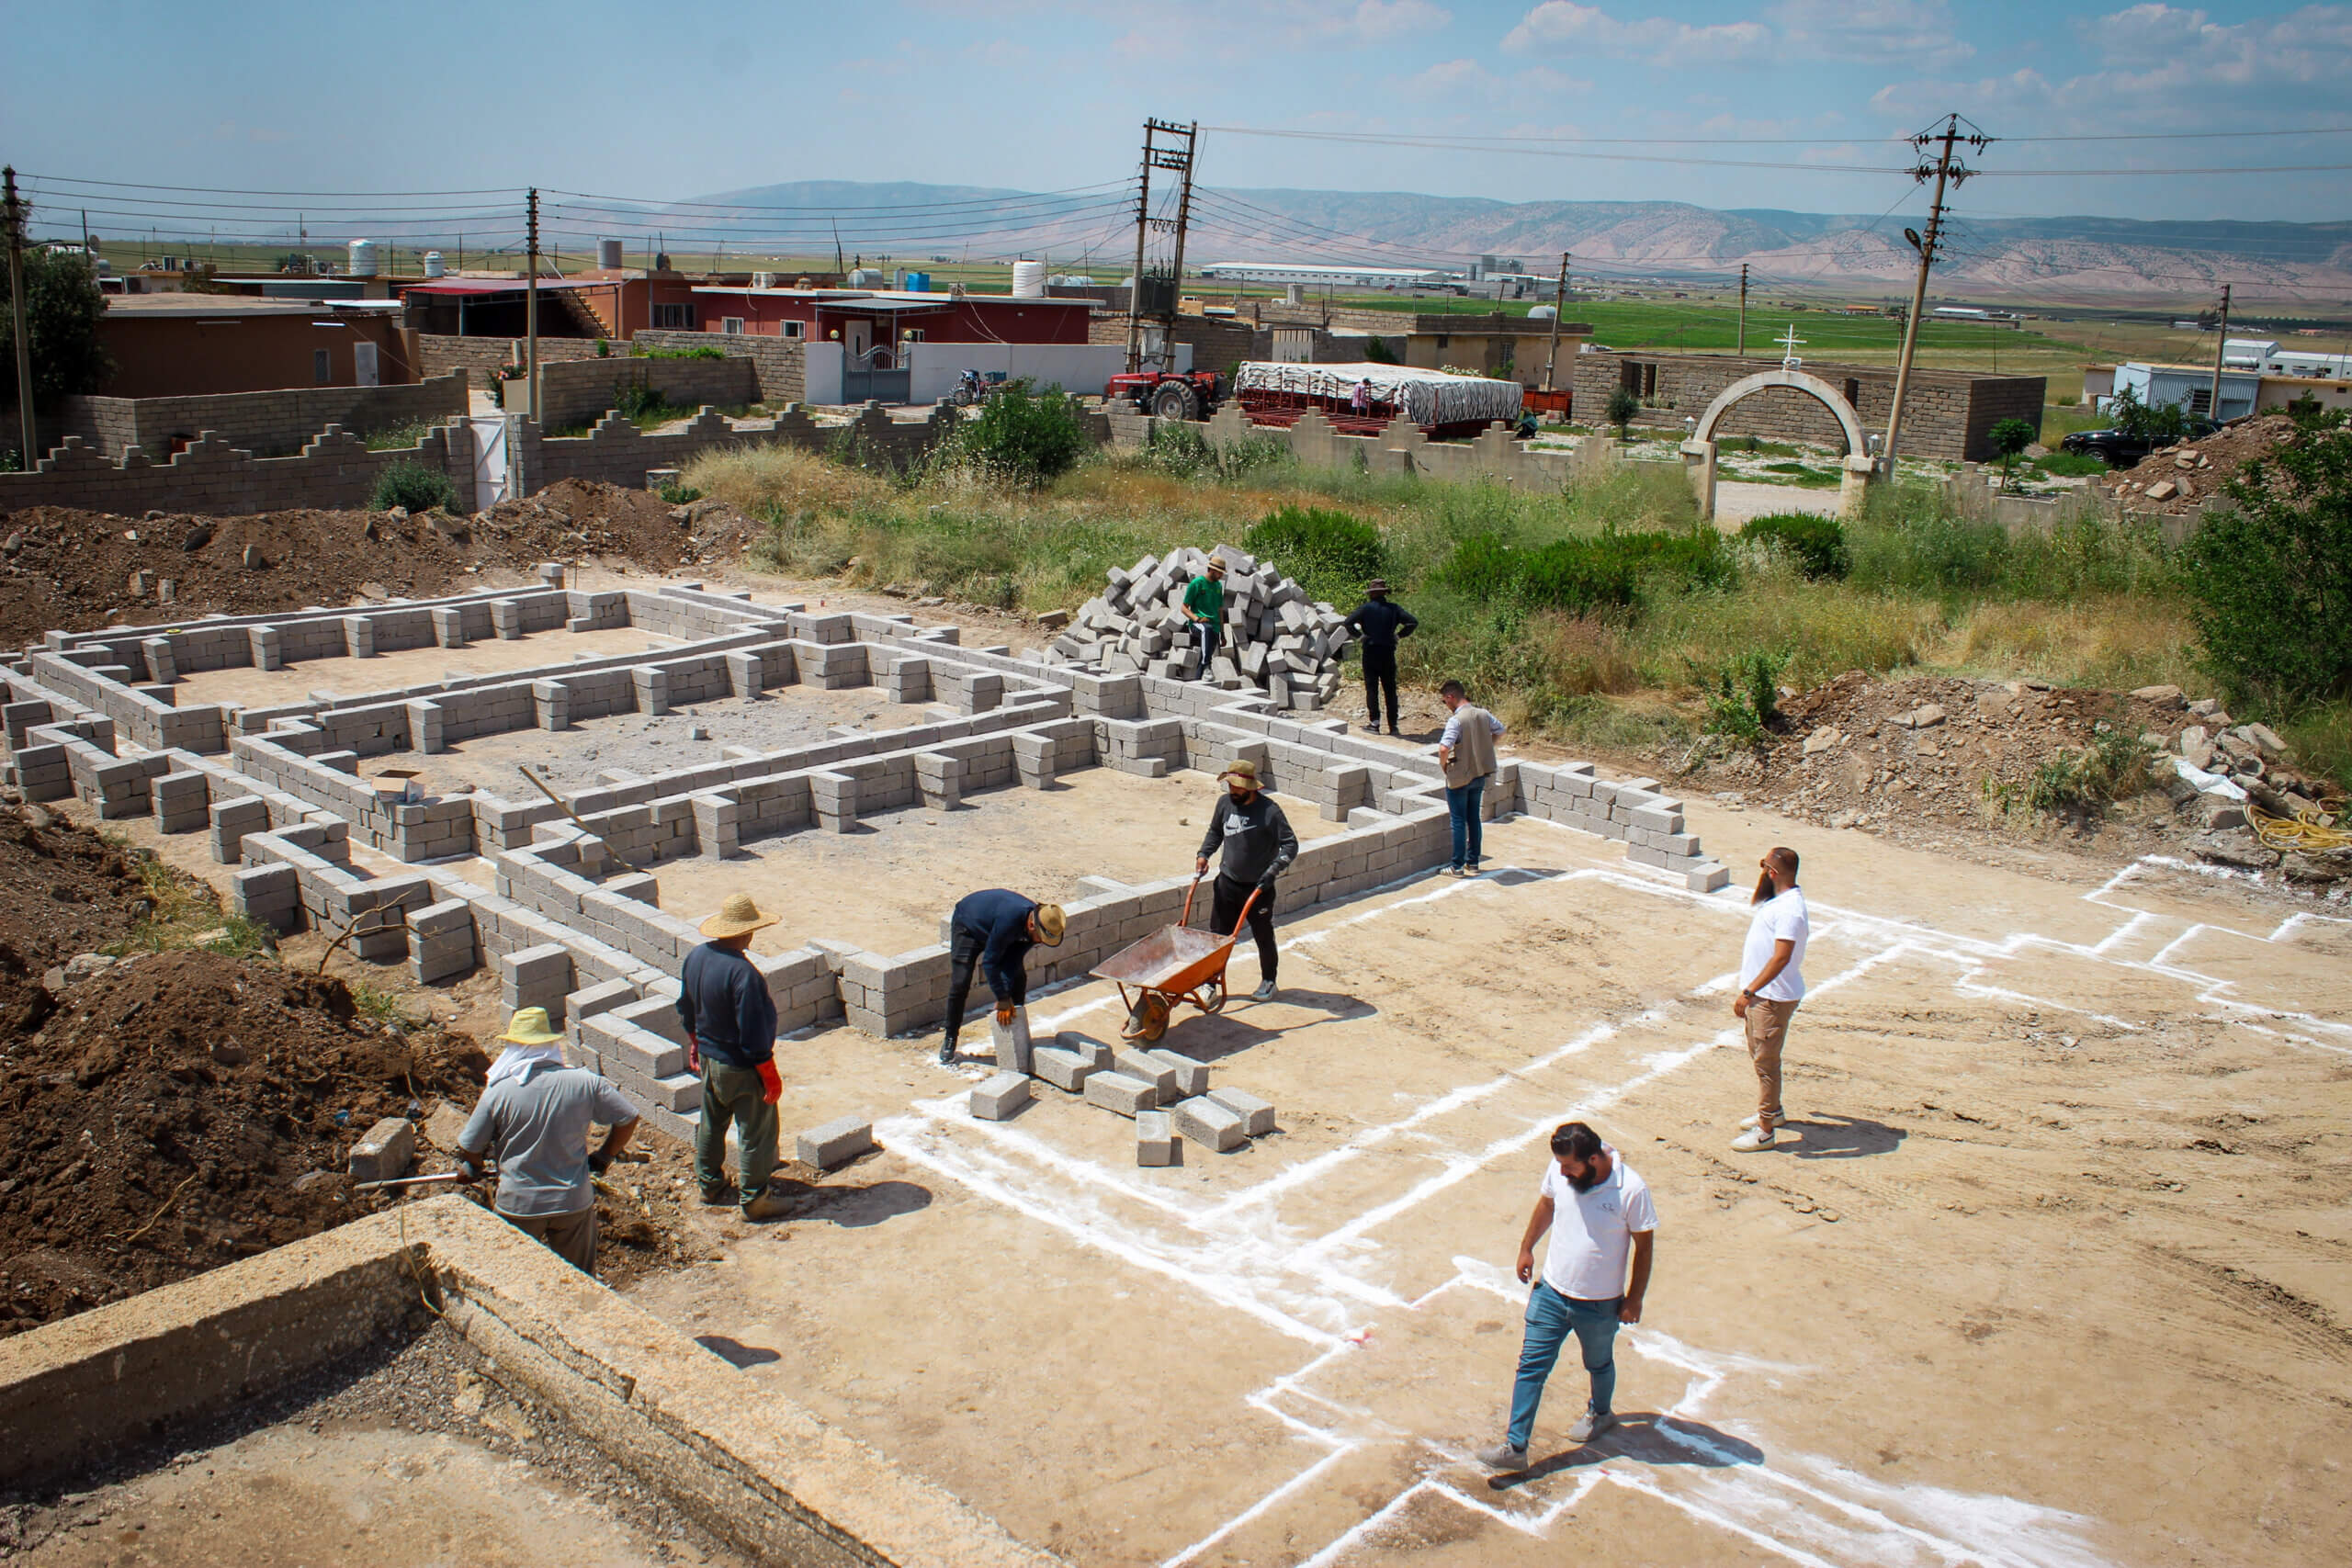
[{"x": 2050, "y": 260}]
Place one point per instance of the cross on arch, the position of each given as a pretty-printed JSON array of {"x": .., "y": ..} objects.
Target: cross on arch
[{"x": 1790, "y": 343}]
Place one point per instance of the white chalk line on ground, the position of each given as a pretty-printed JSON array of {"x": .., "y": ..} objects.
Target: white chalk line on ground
[{"x": 1259, "y": 1271}]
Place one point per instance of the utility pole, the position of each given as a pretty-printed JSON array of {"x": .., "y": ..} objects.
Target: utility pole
[
  {"x": 1742, "y": 350},
  {"x": 1947, "y": 173},
  {"x": 1559, "y": 309},
  {"x": 2221, "y": 348},
  {"x": 14, "y": 216},
  {"x": 531, "y": 311},
  {"x": 1177, "y": 160}
]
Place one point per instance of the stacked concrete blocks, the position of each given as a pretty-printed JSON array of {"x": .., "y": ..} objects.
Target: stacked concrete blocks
[
  {"x": 1257, "y": 1116},
  {"x": 441, "y": 945},
  {"x": 181, "y": 802}
]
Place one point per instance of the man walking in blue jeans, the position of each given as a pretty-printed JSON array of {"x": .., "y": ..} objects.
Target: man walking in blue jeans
[
  {"x": 1597, "y": 1211},
  {"x": 1467, "y": 752}
]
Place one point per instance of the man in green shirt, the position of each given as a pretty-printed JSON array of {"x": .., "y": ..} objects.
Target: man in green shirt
[{"x": 1205, "y": 607}]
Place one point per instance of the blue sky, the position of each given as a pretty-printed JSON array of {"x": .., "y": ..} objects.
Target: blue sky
[{"x": 665, "y": 102}]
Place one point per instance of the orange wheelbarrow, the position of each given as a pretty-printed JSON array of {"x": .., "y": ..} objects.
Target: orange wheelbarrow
[{"x": 1175, "y": 964}]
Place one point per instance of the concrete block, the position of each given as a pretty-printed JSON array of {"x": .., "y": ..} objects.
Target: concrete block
[
  {"x": 1138, "y": 1065},
  {"x": 1191, "y": 1078},
  {"x": 1257, "y": 1116},
  {"x": 1095, "y": 1054},
  {"x": 1065, "y": 1070},
  {"x": 1014, "y": 1048},
  {"x": 386, "y": 1151},
  {"x": 1219, "y": 1127},
  {"x": 1707, "y": 876},
  {"x": 1116, "y": 1091},
  {"x": 1155, "y": 1139},
  {"x": 998, "y": 1098},
  {"x": 835, "y": 1143}
]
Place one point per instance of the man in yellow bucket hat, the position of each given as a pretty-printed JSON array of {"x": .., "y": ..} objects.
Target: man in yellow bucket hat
[
  {"x": 730, "y": 1041},
  {"x": 993, "y": 930},
  {"x": 533, "y": 1114}
]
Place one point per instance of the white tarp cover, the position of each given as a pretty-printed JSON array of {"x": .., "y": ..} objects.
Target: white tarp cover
[{"x": 1425, "y": 397}]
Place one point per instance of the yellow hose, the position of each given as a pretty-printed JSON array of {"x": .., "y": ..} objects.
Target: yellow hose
[{"x": 2305, "y": 833}]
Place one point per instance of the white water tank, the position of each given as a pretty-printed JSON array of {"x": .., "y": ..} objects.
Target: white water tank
[
  {"x": 763, "y": 280},
  {"x": 1028, "y": 280},
  {"x": 434, "y": 265},
  {"x": 609, "y": 254},
  {"x": 362, "y": 258},
  {"x": 868, "y": 278},
  {"x": 1541, "y": 312}
]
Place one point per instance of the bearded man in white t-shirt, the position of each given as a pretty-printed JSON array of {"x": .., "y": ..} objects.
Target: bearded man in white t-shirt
[
  {"x": 1599, "y": 1214},
  {"x": 1771, "y": 983}
]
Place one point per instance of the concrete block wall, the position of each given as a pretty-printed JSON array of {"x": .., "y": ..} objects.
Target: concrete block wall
[
  {"x": 574, "y": 391},
  {"x": 333, "y": 471},
  {"x": 780, "y": 366},
  {"x": 267, "y": 425}
]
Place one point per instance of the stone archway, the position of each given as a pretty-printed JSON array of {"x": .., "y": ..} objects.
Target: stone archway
[{"x": 1699, "y": 452}]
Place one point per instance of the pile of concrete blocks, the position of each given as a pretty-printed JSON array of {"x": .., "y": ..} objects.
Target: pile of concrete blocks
[
  {"x": 1167, "y": 1095},
  {"x": 1275, "y": 641}
]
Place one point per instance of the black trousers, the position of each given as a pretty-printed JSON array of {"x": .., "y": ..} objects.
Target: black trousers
[
  {"x": 1226, "y": 908},
  {"x": 963, "y": 958},
  {"x": 1379, "y": 675}
]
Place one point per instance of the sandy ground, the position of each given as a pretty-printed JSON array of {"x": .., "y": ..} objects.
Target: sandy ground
[
  {"x": 887, "y": 885},
  {"x": 1737, "y": 501},
  {"x": 2054, "y": 1275}
]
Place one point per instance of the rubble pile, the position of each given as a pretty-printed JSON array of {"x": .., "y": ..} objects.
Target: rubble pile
[
  {"x": 1276, "y": 641},
  {"x": 2180, "y": 480}
]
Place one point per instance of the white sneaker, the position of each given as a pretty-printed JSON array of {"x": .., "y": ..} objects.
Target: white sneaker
[
  {"x": 1752, "y": 1121},
  {"x": 1754, "y": 1139}
]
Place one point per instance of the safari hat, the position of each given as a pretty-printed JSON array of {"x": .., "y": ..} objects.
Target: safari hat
[
  {"x": 529, "y": 1027},
  {"x": 1244, "y": 770},
  {"x": 1215, "y": 566},
  {"x": 1051, "y": 923},
  {"x": 1377, "y": 585},
  {"x": 737, "y": 917}
]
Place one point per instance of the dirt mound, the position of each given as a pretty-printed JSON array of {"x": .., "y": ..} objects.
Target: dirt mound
[
  {"x": 2182, "y": 478},
  {"x": 61, "y": 568},
  {"x": 64, "y": 891},
  {"x": 182, "y": 1110}
]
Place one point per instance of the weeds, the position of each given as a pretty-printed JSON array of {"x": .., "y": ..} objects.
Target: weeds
[
  {"x": 2085, "y": 782},
  {"x": 1743, "y": 697},
  {"x": 186, "y": 914},
  {"x": 414, "y": 487}
]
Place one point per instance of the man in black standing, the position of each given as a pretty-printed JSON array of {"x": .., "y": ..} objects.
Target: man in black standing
[
  {"x": 1377, "y": 624},
  {"x": 1256, "y": 842}
]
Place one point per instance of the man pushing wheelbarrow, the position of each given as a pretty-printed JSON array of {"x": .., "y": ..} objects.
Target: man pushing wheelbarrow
[
  {"x": 1257, "y": 843},
  {"x": 1179, "y": 964}
]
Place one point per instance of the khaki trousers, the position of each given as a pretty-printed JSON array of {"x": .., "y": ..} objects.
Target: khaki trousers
[
  {"x": 572, "y": 1237},
  {"x": 1768, "y": 1031}
]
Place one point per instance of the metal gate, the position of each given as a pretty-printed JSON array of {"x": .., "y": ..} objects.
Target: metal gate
[
  {"x": 877, "y": 375},
  {"x": 493, "y": 480}
]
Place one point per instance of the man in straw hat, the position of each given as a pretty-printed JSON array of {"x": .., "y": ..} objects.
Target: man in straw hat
[
  {"x": 730, "y": 1041},
  {"x": 534, "y": 1114},
  {"x": 993, "y": 930},
  {"x": 1256, "y": 842},
  {"x": 1377, "y": 624}
]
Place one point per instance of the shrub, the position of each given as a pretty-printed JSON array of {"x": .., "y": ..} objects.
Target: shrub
[
  {"x": 2010, "y": 437},
  {"x": 1183, "y": 451},
  {"x": 1022, "y": 437},
  {"x": 682, "y": 354},
  {"x": 1817, "y": 545},
  {"x": 2113, "y": 767},
  {"x": 636, "y": 401},
  {"x": 1743, "y": 697},
  {"x": 1622, "y": 406},
  {"x": 1331, "y": 553},
  {"x": 676, "y": 493},
  {"x": 1377, "y": 352},
  {"x": 1587, "y": 572},
  {"x": 413, "y": 486},
  {"x": 2272, "y": 579}
]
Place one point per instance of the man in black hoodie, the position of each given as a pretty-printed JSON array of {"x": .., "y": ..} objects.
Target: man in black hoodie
[
  {"x": 1256, "y": 843},
  {"x": 1377, "y": 624}
]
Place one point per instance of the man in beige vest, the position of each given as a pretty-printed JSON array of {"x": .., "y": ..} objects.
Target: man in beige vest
[{"x": 1467, "y": 752}]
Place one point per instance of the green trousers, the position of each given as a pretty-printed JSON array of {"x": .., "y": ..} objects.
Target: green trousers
[{"x": 734, "y": 1094}]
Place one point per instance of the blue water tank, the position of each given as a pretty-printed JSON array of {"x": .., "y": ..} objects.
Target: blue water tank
[{"x": 916, "y": 282}]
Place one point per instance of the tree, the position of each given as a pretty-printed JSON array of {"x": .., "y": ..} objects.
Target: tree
[
  {"x": 2157, "y": 421},
  {"x": 1622, "y": 407},
  {"x": 2272, "y": 577},
  {"x": 2010, "y": 437},
  {"x": 63, "y": 306}
]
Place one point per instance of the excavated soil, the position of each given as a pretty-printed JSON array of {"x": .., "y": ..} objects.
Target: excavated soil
[
  {"x": 72, "y": 568},
  {"x": 63, "y": 890},
  {"x": 2196, "y": 469}
]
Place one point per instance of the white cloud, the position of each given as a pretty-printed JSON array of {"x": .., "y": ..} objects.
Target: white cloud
[
  {"x": 1448, "y": 77},
  {"x": 1373, "y": 20},
  {"x": 1917, "y": 32},
  {"x": 1588, "y": 29},
  {"x": 2159, "y": 46}
]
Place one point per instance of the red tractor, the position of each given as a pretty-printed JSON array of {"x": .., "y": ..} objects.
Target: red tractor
[{"x": 1167, "y": 394}]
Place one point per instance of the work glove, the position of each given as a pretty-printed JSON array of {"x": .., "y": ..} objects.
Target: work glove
[
  {"x": 771, "y": 1086},
  {"x": 694, "y": 1058},
  {"x": 1004, "y": 1013}
]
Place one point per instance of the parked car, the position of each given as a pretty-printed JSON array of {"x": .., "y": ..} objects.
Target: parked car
[{"x": 2118, "y": 451}]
